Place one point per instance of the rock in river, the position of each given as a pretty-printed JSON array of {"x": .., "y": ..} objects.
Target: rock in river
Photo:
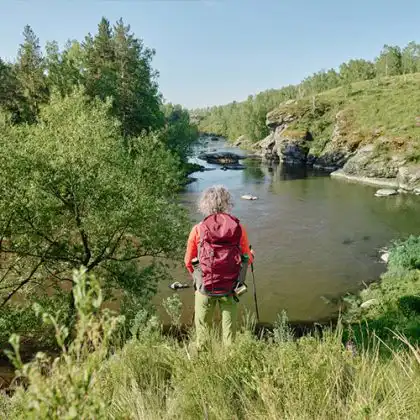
[
  {"x": 221, "y": 158},
  {"x": 249, "y": 197},
  {"x": 386, "y": 192},
  {"x": 234, "y": 166}
]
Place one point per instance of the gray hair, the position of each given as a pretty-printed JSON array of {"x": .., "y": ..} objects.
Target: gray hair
[{"x": 216, "y": 199}]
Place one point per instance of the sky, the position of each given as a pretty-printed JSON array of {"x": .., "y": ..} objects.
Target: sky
[{"x": 211, "y": 52}]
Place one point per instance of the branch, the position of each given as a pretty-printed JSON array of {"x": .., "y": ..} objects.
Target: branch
[
  {"x": 38, "y": 232},
  {"x": 82, "y": 232},
  {"x": 101, "y": 257},
  {"x": 22, "y": 283},
  {"x": 137, "y": 256},
  {"x": 44, "y": 257}
]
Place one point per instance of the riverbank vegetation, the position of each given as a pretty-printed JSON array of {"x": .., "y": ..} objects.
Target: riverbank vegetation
[
  {"x": 151, "y": 375},
  {"x": 248, "y": 118},
  {"x": 91, "y": 162}
]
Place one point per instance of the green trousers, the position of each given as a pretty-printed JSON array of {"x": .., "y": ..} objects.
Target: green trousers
[{"x": 204, "y": 311}]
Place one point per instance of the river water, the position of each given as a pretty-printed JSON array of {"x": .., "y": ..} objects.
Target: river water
[{"x": 314, "y": 237}]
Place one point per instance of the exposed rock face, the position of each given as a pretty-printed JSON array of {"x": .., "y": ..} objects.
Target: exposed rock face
[
  {"x": 338, "y": 150},
  {"x": 283, "y": 144},
  {"x": 293, "y": 147},
  {"x": 356, "y": 154},
  {"x": 368, "y": 163},
  {"x": 408, "y": 177},
  {"x": 267, "y": 148}
]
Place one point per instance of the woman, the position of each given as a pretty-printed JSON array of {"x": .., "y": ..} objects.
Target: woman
[{"x": 220, "y": 243}]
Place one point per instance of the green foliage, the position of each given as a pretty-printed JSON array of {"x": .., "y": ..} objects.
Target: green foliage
[
  {"x": 112, "y": 63},
  {"x": 69, "y": 391},
  {"x": 153, "y": 376},
  {"x": 30, "y": 73},
  {"x": 20, "y": 318},
  {"x": 118, "y": 65},
  {"x": 173, "y": 307},
  {"x": 389, "y": 61},
  {"x": 405, "y": 254},
  {"x": 71, "y": 195},
  {"x": 179, "y": 133}
]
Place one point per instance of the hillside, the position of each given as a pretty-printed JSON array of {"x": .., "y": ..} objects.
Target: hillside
[{"x": 370, "y": 129}]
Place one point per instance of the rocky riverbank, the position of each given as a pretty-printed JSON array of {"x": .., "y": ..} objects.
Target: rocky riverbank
[{"x": 332, "y": 132}]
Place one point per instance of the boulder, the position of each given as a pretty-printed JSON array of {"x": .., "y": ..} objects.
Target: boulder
[
  {"x": 249, "y": 197},
  {"x": 221, "y": 158},
  {"x": 408, "y": 177},
  {"x": 385, "y": 257},
  {"x": 385, "y": 192}
]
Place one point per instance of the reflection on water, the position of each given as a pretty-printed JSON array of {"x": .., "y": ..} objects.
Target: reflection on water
[{"x": 314, "y": 236}]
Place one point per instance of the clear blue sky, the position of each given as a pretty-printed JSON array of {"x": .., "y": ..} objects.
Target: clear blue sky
[{"x": 213, "y": 52}]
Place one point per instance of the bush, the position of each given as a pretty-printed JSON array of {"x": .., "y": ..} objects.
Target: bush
[{"x": 405, "y": 254}]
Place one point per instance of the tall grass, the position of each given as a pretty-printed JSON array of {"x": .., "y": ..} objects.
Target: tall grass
[{"x": 157, "y": 377}]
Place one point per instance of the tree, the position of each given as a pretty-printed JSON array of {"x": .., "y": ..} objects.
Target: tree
[
  {"x": 30, "y": 74},
  {"x": 10, "y": 93},
  {"x": 99, "y": 53},
  {"x": 356, "y": 70},
  {"x": 410, "y": 58},
  {"x": 118, "y": 65},
  {"x": 389, "y": 61},
  {"x": 71, "y": 195},
  {"x": 179, "y": 133},
  {"x": 64, "y": 68},
  {"x": 137, "y": 98}
]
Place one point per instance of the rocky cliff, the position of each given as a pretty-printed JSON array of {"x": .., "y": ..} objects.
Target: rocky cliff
[{"x": 370, "y": 133}]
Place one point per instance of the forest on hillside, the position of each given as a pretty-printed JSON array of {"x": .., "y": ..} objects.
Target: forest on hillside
[{"x": 248, "y": 118}]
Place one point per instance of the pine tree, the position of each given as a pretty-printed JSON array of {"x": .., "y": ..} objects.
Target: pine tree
[
  {"x": 100, "y": 77},
  {"x": 137, "y": 98},
  {"x": 64, "y": 69},
  {"x": 30, "y": 74}
]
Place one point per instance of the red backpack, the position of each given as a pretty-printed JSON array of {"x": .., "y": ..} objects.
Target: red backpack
[{"x": 219, "y": 253}]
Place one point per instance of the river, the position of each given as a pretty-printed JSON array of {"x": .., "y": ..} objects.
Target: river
[{"x": 315, "y": 237}]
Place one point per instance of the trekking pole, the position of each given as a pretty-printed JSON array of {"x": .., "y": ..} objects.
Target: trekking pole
[{"x": 255, "y": 291}]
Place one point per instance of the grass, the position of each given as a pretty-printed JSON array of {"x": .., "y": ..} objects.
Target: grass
[
  {"x": 152, "y": 376},
  {"x": 385, "y": 108}
]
